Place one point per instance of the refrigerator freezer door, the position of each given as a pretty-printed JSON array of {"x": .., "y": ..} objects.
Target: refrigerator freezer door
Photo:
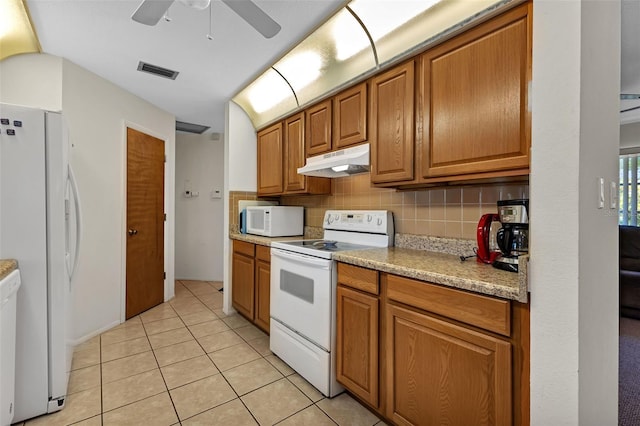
[
  {"x": 33, "y": 177},
  {"x": 60, "y": 349},
  {"x": 23, "y": 231}
]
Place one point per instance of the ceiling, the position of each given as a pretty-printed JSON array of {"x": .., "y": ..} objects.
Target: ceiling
[
  {"x": 100, "y": 36},
  {"x": 630, "y": 60}
]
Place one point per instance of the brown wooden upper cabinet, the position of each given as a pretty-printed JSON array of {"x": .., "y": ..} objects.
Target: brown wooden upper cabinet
[
  {"x": 318, "y": 128},
  {"x": 350, "y": 116},
  {"x": 270, "y": 170},
  {"x": 281, "y": 151},
  {"x": 473, "y": 94},
  {"x": 294, "y": 153},
  {"x": 392, "y": 125}
]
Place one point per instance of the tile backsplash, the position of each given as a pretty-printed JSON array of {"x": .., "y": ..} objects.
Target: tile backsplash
[{"x": 441, "y": 212}]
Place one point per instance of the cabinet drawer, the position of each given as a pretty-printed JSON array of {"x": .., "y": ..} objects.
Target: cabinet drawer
[
  {"x": 243, "y": 247},
  {"x": 481, "y": 311},
  {"x": 263, "y": 253},
  {"x": 358, "y": 278}
]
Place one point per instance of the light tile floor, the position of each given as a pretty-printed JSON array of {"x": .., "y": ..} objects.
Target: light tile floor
[{"x": 186, "y": 362}]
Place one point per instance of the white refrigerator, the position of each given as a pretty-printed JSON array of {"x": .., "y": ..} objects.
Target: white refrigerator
[{"x": 39, "y": 226}]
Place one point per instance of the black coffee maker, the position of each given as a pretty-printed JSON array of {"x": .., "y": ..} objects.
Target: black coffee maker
[{"x": 513, "y": 237}]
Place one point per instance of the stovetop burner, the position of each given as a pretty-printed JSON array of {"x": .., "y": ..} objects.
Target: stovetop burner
[
  {"x": 325, "y": 244},
  {"x": 346, "y": 230},
  {"x": 319, "y": 248}
]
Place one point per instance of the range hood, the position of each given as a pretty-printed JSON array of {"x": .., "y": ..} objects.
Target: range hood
[{"x": 344, "y": 162}]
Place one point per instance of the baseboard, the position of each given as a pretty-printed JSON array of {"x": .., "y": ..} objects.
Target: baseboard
[{"x": 94, "y": 333}]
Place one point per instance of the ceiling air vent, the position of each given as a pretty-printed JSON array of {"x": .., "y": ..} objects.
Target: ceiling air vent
[
  {"x": 181, "y": 126},
  {"x": 156, "y": 70}
]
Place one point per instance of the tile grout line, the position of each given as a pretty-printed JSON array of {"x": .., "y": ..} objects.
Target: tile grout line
[
  {"x": 173, "y": 405},
  {"x": 238, "y": 397},
  {"x": 219, "y": 371}
]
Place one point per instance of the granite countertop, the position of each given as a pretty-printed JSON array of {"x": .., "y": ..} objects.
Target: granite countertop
[
  {"x": 442, "y": 268},
  {"x": 263, "y": 241},
  {"x": 7, "y": 266},
  {"x": 436, "y": 267}
]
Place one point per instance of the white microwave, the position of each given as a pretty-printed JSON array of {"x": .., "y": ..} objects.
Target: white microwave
[{"x": 275, "y": 221}]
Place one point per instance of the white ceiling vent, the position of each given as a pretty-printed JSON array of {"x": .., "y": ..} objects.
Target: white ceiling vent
[{"x": 156, "y": 70}]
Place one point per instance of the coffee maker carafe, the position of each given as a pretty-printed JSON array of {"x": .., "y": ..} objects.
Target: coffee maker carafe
[{"x": 513, "y": 237}]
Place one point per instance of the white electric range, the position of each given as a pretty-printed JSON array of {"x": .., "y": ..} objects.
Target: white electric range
[{"x": 303, "y": 291}]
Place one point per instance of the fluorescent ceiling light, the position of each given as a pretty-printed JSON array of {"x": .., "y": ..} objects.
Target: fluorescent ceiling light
[
  {"x": 16, "y": 32},
  {"x": 301, "y": 69},
  {"x": 269, "y": 90},
  {"x": 349, "y": 36},
  {"x": 379, "y": 17}
]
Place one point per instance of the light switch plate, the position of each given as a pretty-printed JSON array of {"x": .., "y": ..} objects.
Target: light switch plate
[{"x": 600, "y": 193}]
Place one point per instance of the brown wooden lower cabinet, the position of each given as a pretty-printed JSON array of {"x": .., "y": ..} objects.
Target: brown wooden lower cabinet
[
  {"x": 416, "y": 367},
  {"x": 251, "y": 276},
  {"x": 242, "y": 270},
  {"x": 357, "y": 341},
  {"x": 440, "y": 373},
  {"x": 263, "y": 287}
]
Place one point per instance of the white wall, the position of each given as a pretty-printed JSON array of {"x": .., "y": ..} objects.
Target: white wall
[
  {"x": 39, "y": 84},
  {"x": 240, "y": 165},
  {"x": 97, "y": 113},
  {"x": 630, "y": 135},
  {"x": 199, "y": 220},
  {"x": 574, "y": 283},
  {"x": 242, "y": 170}
]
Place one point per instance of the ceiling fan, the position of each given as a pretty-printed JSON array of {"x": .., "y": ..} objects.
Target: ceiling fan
[{"x": 151, "y": 11}]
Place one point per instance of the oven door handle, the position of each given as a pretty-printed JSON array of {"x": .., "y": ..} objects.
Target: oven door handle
[{"x": 301, "y": 258}]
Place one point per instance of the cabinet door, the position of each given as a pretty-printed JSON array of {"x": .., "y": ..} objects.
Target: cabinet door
[
  {"x": 242, "y": 292},
  {"x": 474, "y": 94},
  {"x": 270, "y": 181},
  {"x": 357, "y": 343},
  {"x": 441, "y": 373},
  {"x": 263, "y": 288},
  {"x": 350, "y": 117},
  {"x": 318, "y": 128},
  {"x": 392, "y": 125},
  {"x": 294, "y": 153}
]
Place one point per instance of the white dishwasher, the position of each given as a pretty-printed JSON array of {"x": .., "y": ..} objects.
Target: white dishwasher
[{"x": 8, "y": 294}]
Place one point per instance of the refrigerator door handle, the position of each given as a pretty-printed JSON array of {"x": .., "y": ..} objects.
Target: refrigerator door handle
[{"x": 71, "y": 268}]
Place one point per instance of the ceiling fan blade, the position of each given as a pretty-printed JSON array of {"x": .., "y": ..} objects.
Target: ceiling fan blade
[
  {"x": 630, "y": 109},
  {"x": 255, "y": 16},
  {"x": 151, "y": 11}
]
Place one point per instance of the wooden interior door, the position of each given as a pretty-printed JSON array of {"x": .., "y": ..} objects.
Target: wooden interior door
[{"x": 145, "y": 222}]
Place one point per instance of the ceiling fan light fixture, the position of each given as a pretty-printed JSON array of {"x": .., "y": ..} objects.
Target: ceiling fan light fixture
[{"x": 196, "y": 4}]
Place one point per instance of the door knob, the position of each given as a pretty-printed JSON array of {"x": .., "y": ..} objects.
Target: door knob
[{"x": 133, "y": 232}]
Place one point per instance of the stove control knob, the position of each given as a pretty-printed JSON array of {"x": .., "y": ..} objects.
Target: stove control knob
[
  {"x": 379, "y": 221},
  {"x": 336, "y": 217},
  {"x": 329, "y": 219},
  {"x": 369, "y": 218}
]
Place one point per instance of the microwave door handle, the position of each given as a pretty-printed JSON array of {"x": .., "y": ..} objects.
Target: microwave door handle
[{"x": 301, "y": 258}]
